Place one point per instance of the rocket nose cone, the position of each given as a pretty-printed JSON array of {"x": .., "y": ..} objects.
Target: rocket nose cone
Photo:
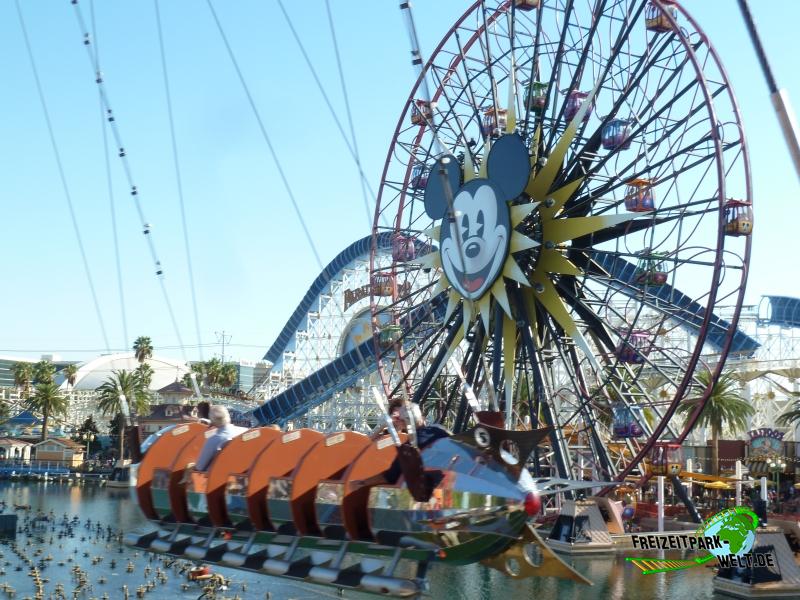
[{"x": 533, "y": 504}]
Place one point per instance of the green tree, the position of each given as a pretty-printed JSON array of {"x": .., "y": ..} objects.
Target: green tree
[
  {"x": 791, "y": 416},
  {"x": 143, "y": 348},
  {"x": 212, "y": 371},
  {"x": 47, "y": 399},
  {"x": 725, "y": 407},
  {"x": 43, "y": 372},
  {"x": 23, "y": 377},
  {"x": 130, "y": 385},
  {"x": 145, "y": 373},
  {"x": 228, "y": 375},
  {"x": 70, "y": 373}
]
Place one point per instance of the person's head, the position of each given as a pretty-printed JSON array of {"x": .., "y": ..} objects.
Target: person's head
[
  {"x": 219, "y": 416},
  {"x": 398, "y": 413},
  {"x": 202, "y": 409}
]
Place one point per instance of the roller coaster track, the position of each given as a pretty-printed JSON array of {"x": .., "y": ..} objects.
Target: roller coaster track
[{"x": 347, "y": 369}]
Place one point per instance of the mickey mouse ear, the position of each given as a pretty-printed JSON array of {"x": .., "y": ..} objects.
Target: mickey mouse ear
[
  {"x": 446, "y": 169},
  {"x": 509, "y": 165}
]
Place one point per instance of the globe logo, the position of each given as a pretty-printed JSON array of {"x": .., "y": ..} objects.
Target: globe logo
[{"x": 736, "y": 530}]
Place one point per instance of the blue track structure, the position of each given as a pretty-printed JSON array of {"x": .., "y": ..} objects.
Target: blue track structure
[
  {"x": 347, "y": 369},
  {"x": 342, "y": 372},
  {"x": 779, "y": 310},
  {"x": 692, "y": 313},
  {"x": 321, "y": 284}
]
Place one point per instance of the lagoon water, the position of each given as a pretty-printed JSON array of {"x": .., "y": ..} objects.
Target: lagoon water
[{"x": 612, "y": 576}]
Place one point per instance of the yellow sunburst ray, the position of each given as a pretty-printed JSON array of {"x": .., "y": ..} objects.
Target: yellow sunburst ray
[
  {"x": 530, "y": 307},
  {"x": 499, "y": 292},
  {"x": 432, "y": 232},
  {"x": 452, "y": 301},
  {"x": 540, "y": 186},
  {"x": 483, "y": 172},
  {"x": 431, "y": 260},
  {"x": 537, "y": 136},
  {"x": 552, "y": 261},
  {"x": 520, "y": 242},
  {"x": 469, "y": 166},
  {"x": 559, "y": 197},
  {"x": 467, "y": 307},
  {"x": 485, "y": 308},
  {"x": 562, "y": 230},
  {"x": 509, "y": 352},
  {"x": 512, "y": 271},
  {"x": 457, "y": 339},
  {"x": 441, "y": 285},
  {"x": 511, "y": 111},
  {"x": 554, "y": 305},
  {"x": 518, "y": 212}
]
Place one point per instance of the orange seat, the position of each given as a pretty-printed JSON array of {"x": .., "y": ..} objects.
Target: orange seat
[
  {"x": 327, "y": 459},
  {"x": 161, "y": 457},
  {"x": 278, "y": 459},
  {"x": 373, "y": 460},
  {"x": 237, "y": 456}
]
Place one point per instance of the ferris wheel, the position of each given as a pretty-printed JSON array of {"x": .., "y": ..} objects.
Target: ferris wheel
[{"x": 580, "y": 178}]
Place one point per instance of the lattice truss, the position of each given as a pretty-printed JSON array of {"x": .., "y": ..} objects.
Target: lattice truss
[{"x": 318, "y": 341}]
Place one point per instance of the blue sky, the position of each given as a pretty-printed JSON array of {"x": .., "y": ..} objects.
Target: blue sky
[{"x": 251, "y": 261}]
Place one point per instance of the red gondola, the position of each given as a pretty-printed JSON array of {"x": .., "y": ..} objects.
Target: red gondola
[
  {"x": 635, "y": 348},
  {"x": 419, "y": 176},
  {"x": 575, "y": 100},
  {"x": 738, "y": 218},
  {"x": 494, "y": 122},
  {"x": 666, "y": 458},
  {"x": 527, "y": 4},
  {"x": 403, "y": 248},
  {"x": 421, "y": 112}
]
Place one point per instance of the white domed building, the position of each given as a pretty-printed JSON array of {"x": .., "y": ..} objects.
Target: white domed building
[{"x": 93, "y": 373}]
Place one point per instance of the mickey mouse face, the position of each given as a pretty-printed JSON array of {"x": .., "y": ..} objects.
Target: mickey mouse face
[{"x": 474, "y": 241}]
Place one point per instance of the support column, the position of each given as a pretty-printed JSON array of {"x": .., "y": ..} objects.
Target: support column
[
  {"x": 660, "y": 503},
  {"x": 764, "y": 489},
  {"x": 738, "y": 483}
]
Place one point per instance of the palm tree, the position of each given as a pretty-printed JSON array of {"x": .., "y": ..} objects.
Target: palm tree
[
  {"x": 43, "y": 371},
  {"x": 23, "y": 376},
  {"x": 791, "y": 416},
  {"x": 70, "y": 373},
  {"x": 145, "y": 373},
  {"x": 213, "y": 372},
  {"x": 48, "y": 400},
  {"x": 143, "y": 348},
  {"x": 725, "y": 407},
  {"x": 228, "y": 375},
  {"x": 130, "y": 385}
]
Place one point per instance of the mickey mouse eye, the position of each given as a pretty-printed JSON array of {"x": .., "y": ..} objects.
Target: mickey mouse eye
[
  {"x": 480, "y": 224},
  {"x": 465, "y": 225}
]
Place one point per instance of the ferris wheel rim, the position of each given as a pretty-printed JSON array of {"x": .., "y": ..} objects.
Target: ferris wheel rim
[{"x": 719, "y": 161}]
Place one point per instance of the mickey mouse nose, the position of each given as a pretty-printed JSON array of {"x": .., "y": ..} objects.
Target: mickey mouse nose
[{"x": 472, "y": 249}]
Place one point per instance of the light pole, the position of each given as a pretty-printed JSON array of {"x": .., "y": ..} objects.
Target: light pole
[
  {"x": 88, "y": 438},
  {"x": 776, "y": 465}
]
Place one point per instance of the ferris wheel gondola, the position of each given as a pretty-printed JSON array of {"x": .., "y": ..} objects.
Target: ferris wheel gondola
[{"x": 580, "y": 158}]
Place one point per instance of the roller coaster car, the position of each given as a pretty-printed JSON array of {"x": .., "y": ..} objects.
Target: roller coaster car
[{"x": 294, "y": 504}]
